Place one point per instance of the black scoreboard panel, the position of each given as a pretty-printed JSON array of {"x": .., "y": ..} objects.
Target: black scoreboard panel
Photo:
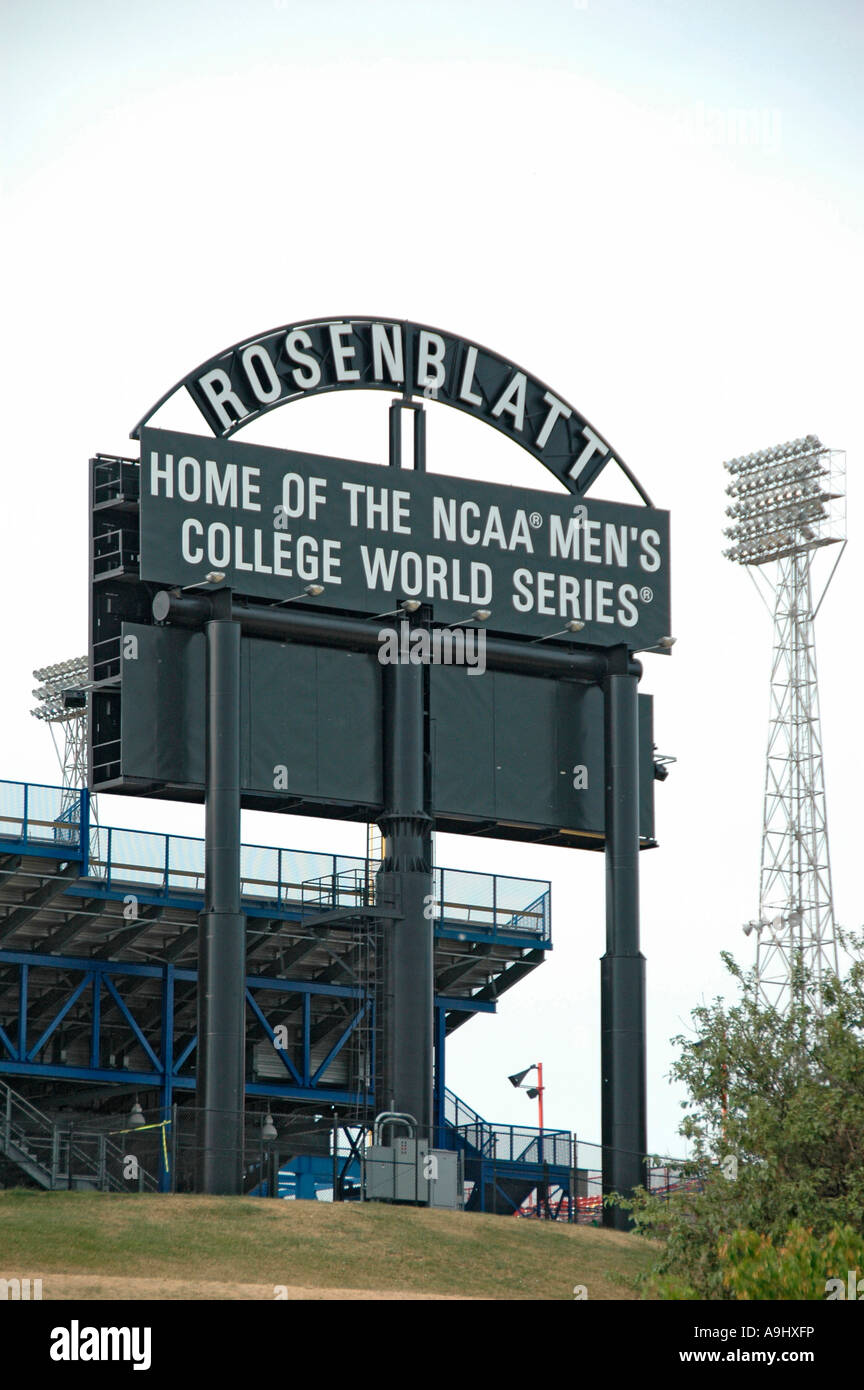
[
  {"x": 310, "y": 726},
  {"x": 510, "y": 756},
  {"x": 522, "y": 757}
]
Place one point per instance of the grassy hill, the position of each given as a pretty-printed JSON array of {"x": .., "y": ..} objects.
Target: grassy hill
[{"x": 90, "y": 1245}]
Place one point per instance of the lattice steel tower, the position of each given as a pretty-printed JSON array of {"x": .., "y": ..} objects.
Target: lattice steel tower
[
  {"x": 787, "y": 505},
  {"x": 62, "y": 704}
]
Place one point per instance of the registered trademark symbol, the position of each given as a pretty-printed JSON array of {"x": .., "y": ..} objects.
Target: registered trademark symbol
[
  {"x": 536, "y": 520},
  {"x": 646, "y": 594}
]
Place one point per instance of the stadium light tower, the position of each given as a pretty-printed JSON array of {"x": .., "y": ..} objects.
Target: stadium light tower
[
  {"x": 62, "y": 701},
  {"x": 787, "y": 504}
]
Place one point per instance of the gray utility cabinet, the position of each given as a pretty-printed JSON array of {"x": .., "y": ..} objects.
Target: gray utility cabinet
[{"x": 409, "y": 1171}]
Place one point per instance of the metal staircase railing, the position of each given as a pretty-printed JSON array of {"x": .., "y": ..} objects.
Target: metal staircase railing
[
  {"x": 346, "y": 888},
  {"x": 23, "y": 1131},
  {"x": 457, "y": 1113},
  {"x": 38, "y": 1146}
]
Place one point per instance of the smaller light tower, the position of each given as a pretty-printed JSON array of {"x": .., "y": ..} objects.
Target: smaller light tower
[
  {"x": 787, "y": 504},
  {"x": 62, "y": 701}
]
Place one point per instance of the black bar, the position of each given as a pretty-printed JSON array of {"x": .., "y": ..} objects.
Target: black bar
[
  {"x": 419, "y": 439},
  {"x": 622, "y": 973},
  {"x": 404, "y": 883},
  {"x": 531, "y": 658},
  {"x": 222, "y": 925},
  {"x": 395, "y": 435}
]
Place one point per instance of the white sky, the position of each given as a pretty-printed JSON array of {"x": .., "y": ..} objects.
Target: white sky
[{"x": 656, "y": 207}]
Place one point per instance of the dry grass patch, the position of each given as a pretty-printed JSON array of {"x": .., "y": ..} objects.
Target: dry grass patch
[{"x": 369, "y": 1250}]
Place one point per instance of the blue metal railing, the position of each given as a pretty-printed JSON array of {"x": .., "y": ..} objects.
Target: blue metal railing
[
  {"x": 46, "y": 815},
  {"x": 498, "y": 1143},
  {"x": 501, "y": 1143},
  {"x": 175, "y": 864},
  {"x": 465, "y": 900},
  {"x": 457, "y": 1113}
]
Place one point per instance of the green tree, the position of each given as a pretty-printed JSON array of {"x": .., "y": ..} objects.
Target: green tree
[
  {"x": 755, "y": 1268},
  {"x": 776, "y": 1120}
]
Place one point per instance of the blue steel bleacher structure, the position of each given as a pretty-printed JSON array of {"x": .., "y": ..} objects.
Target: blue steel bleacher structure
[{"x": 97, "y": 971}]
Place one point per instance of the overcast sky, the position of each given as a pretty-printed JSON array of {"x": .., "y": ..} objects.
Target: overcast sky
[{"x": 655, "y": 207}]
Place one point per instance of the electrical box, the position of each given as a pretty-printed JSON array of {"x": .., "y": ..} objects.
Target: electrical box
[
  {"x": 409, "y": 1171},
  {"x": 448, "y": 1189}
]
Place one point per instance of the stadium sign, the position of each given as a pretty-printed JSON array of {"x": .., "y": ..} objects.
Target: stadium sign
[
  {"x": 298, "y": 360},
  {"x": 232, "y": 682},
  {"x": 272, "y": 520}
]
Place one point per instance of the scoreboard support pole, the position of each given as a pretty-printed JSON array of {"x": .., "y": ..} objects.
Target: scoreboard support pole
[
  {"x": 622, "y": 969},
  {"x": 222, "y": 925},
  {"x": 405, "y": 881},
  {"x": 406, "y": 985}
]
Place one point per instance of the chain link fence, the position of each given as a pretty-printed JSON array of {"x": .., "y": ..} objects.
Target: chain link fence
[{"x": 465, "y": 1163}]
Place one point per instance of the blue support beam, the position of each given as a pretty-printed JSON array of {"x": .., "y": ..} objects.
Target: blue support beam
[
  {"x": 184, "y": 1056},
  {"x": 125, "y": 1011},
  {"x": 22, "y": 1011},
  {"x": 307, "y": 1041},
  {"x": 164, "y": 1070},
  {"x": 8, "y": 1045},
  {"x": 96, "y": 1006},
  {"x": 280, "y": 1052},
  {"x": 167, "y": 1037},
  {"x": 58, "y": 1018},
  {"x": 340, "y": 1042}
]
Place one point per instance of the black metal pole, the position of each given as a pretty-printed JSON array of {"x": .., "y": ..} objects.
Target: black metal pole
[
  {"x": 221, "y": 926},
  {"x": 395, "y": 434},
  {"x": 419, "y": 439},
  {"x": 405, "y": 882},
  {"x": 357, "y": 634},
  {"x": 622, "y": 973}
]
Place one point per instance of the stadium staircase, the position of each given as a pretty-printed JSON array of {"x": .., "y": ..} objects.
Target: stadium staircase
[
  {"x": 505, "y": 1164},
  {"x": 49, "y": 1154}
]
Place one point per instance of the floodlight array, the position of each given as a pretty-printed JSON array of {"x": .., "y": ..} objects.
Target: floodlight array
[
  {"x": 58, "y": 682},
  {"x": 781, "y": 501},
  {"x": 784, "y": 477},
  {"x": 50, "y": 710},
  {"x": 795, "y": 448},
  {"x": 63, "y": 673}
]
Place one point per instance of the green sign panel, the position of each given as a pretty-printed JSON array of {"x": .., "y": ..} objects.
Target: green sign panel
[{"x": 274, "y": 521}]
